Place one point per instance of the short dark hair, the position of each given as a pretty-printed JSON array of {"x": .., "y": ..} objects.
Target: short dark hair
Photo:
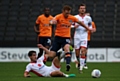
[
  {"x": 31, "y": 52},
  {"x": 82, "y": 4},
  {"x": 66, "y": 7}
]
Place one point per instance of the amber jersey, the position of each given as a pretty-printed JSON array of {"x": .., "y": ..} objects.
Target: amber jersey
[
  {"x": 45, "y": 28},
  {"x": 64, "y": 25}
]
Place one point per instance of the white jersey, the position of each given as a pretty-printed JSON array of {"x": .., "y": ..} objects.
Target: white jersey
[
  {"x": 40, "y": 69},
  {"x": 81, "y": 32}
]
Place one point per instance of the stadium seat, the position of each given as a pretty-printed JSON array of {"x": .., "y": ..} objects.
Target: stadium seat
[
  {"x": 9, "y": 38},
  {"x": 1, "y": 34},
  {"x": 31, "y": 35},
  {"x": 47, "y": 3},
  {"x": 26, "y": 2},
  {"x": 96, "y": 36},
  {"x": 78, "y": 2},
  {"x": 90, "y": 6},
  {"x": 9, "y": 35},
  {"x": 58, "y": 4},
  {"x": 18, "y": 16},
  {"x": 3, "y": 23},
  {"x": 10, "y": 29},
  {"x": 24, "y": 8},
  {"x": 5, "y": 2},
  {"x": 21, "y": 38},
  {"x": 57, "y": 10},
  {"x": 68, "y": 2}
]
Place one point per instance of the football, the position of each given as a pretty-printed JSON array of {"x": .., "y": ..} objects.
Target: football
[{"x": 96, "y": 73}]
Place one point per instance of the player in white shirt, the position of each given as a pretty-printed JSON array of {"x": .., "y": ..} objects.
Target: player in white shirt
[
  {"x": 39, "y": 68},
  {"x": 80, "y": 36}
]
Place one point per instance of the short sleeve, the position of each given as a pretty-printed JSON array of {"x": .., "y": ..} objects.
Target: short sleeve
[
  {"x": 41, "y": 58},
  {"x": 90, "y": 22},
  {"x": 38, "y": 20},
  {"x": 56, "y": 17},
  {"x": 75, "y": 19},
  {"x": 93, "y": 25},
  {"x": 28, "y": 68}
]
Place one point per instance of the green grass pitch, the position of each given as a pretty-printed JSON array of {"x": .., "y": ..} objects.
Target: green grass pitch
[{"x": 13, "y": 71}]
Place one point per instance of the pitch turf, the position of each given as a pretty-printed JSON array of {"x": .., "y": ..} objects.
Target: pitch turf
[{"x": 13, "y": 71}]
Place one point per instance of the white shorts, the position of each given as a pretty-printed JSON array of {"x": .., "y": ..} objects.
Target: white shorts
[
  {"x": 79, "y": 43},
  {"x": 49, "y": 70}
]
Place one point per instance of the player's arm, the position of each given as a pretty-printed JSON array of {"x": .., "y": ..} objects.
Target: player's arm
[
  {"x": 54, "y": 20},
  {"x": 53, "y": 30},
  {"x": 27, "y": 74},
  {"x": 93, "y": 26},
  {"x": 90, "y": 24},
  {"x": 27, "y": 71},
  {"x": 36, "y": 28},
  {"x": 74, "y": 26},
  {"x": 83, "y": 25},
  {"x": 42, "y": 47}
]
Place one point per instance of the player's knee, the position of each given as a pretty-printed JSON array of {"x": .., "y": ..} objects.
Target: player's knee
[
  {"x": 83, "y": 51},
  {"x": 58, "y": 73},
  {"x": 67, "y": 48},
  {"x": 51, "y": 54}
]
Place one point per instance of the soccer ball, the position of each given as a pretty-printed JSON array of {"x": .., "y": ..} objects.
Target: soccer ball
[{"x": 96, "y": 73}]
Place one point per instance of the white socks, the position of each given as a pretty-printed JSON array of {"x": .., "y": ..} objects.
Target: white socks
[
  {"x": 66, "y": 75},
  {"x": 82, "y": 63}
]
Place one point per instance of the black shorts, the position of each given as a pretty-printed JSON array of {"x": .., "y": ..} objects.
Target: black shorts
[
  {"x": 45, "y": 41},
  {"x": 88, "y": 44},
  {"x": 59, "y": 42}
]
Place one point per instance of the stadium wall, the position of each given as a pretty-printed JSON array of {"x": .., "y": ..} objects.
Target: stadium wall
[{"x": 94, "y": 54}]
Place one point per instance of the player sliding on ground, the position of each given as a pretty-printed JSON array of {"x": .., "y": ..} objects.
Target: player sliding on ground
[{"x": 39, "y": 68}]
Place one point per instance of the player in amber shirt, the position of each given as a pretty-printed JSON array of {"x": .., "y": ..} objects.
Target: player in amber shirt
[
  {"x": 62, "y": 33},
  {"x": 44, "y": 29}
]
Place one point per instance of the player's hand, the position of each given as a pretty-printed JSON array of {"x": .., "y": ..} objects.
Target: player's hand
[
  {"x": 40, "y": 46},
  {"x": 53, "y": 21},
  {"x": 94, "y": 30},
  {"x": 91, "y": 30},
  {"x": 27, "y": 75},
  {"x": 76, "y": 26}
]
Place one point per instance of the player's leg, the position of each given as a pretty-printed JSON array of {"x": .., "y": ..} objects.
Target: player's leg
[
  {"x": 56, "y": 66},
  {"x": 40, "y": 41},
  {"x": 57, "y": 74},
  {"x": 66, "y": 47},
  {"x": 61, "y": 74},
  {"x": 47, "y": 44},
  {"x": 83, "y": 54},
  {"x": 54, "y": 48},
  {"x": 67, "y": 57},
  {"x": 77, "y": 51},
  {"x": 85, "y": 66}
]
